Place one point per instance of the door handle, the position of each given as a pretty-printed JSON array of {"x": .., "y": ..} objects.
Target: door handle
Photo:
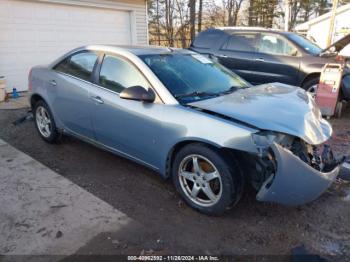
[
  {"x": 260, "y": 59},
  {"x": 53, "y": 83},
  {"x": 223, "y": 56},
  {"x": 97, "y": 99}
]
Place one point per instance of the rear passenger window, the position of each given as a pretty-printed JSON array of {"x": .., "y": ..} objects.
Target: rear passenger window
[
  {"x": 207, "y": 39},
  {"x": 79, "y": 65},
  {"x": 240, "y": 42}
]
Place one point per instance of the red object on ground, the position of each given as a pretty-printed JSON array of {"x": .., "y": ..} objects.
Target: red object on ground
[{"x": 327, "y": 94}]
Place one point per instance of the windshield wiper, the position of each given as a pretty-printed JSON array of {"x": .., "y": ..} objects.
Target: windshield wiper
[
  {"x": 196, "y": 94},
  {"x": 229, "y": 91},
  {"x": 204, "y": 94}
]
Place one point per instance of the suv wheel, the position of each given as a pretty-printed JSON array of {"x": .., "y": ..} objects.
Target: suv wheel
[
  {"x": 44, "y": 122},
  {"x": 205, "y": 180},
  {"x": 311, "y": 85}
]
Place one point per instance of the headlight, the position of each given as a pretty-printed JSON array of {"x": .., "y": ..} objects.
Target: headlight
[{"x": 264, "y": 139}]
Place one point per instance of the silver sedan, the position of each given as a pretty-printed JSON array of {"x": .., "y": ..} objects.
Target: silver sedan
[{"x": 191, "y": 119}]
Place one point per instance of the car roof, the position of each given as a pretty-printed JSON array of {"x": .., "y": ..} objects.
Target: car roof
[
  {"x": 229, "y": 29},
  {"x": 138, "y": 50},
  {"x": 150, "y": 50}
]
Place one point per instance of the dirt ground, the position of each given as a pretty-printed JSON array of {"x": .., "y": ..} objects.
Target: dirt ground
[{"x": 252, "y": 227}]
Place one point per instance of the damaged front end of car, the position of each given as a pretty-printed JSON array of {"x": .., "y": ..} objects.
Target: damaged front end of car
[
  {"x": 290, "y": 171},
  {"x": 287, "y": 160}
]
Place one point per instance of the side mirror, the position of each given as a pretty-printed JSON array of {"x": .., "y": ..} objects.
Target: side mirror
[
  {"x": 138, "y": 93},
  {"x": 295, "y": 53}
]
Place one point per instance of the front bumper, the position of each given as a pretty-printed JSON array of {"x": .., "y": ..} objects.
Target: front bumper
[{"x": 295, "y": 182}]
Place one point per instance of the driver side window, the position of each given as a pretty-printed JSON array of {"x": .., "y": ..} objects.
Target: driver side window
[{"x": 118, "y": 74}]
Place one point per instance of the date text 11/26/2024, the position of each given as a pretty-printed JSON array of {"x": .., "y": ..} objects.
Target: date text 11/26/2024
[{"x": 173, "y": 258}]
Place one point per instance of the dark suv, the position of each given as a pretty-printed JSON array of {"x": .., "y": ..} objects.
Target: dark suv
[{"x": 265, "y": 56}]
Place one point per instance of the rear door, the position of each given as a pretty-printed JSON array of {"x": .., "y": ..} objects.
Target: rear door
[
  {"x": 238, "y": 54},
  {"x": 276, "y": 60},
  {"x": 69, "y": 89}
]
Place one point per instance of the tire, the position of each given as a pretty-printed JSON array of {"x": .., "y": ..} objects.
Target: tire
[
  {"x": 227, "y": 187},
  {"x": 307, "y": 86},
  {"x": 49, "y": 132},
  {"x": 338, "y": 109}
]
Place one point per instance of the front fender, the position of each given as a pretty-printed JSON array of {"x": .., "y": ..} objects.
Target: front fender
[{"x": 189, "y": 125}]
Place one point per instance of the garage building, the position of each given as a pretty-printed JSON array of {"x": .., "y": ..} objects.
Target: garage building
[
  {"x": 36, "y": 32},
  {"x": 317, "y": 29}
]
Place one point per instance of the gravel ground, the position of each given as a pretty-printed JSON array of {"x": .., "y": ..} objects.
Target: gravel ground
[{"x": 252, "y": 227}]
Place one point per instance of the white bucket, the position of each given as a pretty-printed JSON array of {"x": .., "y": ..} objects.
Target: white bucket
[{"x": 2, "y": 88}]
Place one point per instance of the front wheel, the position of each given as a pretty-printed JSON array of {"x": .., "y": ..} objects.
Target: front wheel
[{"x": 205, "y": 180}]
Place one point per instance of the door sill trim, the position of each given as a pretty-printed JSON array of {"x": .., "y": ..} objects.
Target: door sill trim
[{"x": 108, "y": 148}]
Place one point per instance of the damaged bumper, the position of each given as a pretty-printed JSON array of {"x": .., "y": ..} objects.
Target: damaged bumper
[
  {"x": 344, "y": 172},
  {"x": 294, "y": 182}
]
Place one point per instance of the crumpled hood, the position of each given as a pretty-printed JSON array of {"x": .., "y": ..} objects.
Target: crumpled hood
[{"x": 275, "y": 107}]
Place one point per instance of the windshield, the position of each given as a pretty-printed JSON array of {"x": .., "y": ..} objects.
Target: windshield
[
  {"x": 306, "y": 44},
  {"x": 192, "y": 77}
]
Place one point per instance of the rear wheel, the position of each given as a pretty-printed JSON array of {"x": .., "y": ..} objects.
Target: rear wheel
[
  {"x": 45, "y": 123},
  {"x": 205, "y": 180}
]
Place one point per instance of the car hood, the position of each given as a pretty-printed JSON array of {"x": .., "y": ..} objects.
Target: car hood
[
  {"x": 275, "y": 107},
  {"x": 339, "y": 45}
]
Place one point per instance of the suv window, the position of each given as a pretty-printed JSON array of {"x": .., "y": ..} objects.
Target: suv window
[
  {"x": 271, "y": 44},
  {"x": 207, "y": 39},
  {"x": 79, "y": 65},
  {"x": 240, "y": 42},
  {"x": 117, "y": 74}
]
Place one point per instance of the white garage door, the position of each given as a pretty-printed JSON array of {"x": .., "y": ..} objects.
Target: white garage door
[{"x": 38, "y": 33}]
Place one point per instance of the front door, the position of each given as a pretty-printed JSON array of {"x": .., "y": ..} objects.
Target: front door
[
  {"x": 276, "y": 60},
  {"x": 132, "y": 128}
]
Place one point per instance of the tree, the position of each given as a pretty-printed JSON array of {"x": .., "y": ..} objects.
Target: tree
[
  {"x": 200, "y": 14},
  {"x": 169, "y": 25},
  {"x": 233, "y": 8},
  {"x": 173, "y": 22},
  {"x": 262, "y": 13},
  {"x": 192, "y": 6},
  {"x": 158, "y": 23},
  {"x": 251, "y": 19},
  {"x": 322, "y": 7},
  {"x": 182, "y": 31}
]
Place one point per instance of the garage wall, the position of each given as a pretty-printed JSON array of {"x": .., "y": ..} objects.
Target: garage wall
[
  {"x": 36, "y": 32},
  {"x": 319, "y": 31},
  {"x": 137, "y": 6}
]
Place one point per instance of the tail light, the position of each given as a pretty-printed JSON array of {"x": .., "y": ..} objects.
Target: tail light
[
  {"x": 30, "y": 86},
  {"x": 340, "y": 58}
]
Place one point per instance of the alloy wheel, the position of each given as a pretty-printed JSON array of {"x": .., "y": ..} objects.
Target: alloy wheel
[
  {"x": 200, "y": 180},
  {"x": 312, "y": 90},
  {"x": 43, "y": 121}
]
